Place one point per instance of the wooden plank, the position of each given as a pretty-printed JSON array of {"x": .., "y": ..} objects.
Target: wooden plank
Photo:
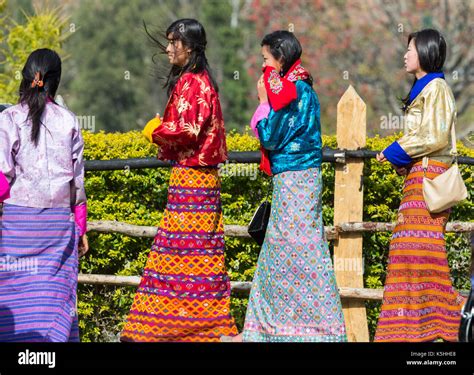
[
  {"x": 332, "y": 232},
  {"x": 348, "y": 207},
  {"x": 238, "y": 287},
  {"x": 106, "y": 226}
]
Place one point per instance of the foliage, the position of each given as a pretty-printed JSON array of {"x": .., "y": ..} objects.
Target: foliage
[
  {"x": 117, "y": 68},
  {"x": 44, "y": 29},
  {"x": 139, "y": 196},
  {"x": 226, "y": 40},
  {"x": 362, "y": 43}
]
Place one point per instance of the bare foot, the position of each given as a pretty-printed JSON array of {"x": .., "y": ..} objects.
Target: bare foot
[{"x": 237, "y": 338}]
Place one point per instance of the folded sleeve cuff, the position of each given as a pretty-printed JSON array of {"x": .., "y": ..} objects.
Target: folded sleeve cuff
[
  {"x": 4, "y": 188},
  {"x": 396, "y": 155},
  {"x": 80, "y": 216},
  {"x": 280, "y": 91},
  {"x": 261, "y": 112}
]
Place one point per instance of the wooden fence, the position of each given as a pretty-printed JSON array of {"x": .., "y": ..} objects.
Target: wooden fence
[{"x": 348, "y": 212}]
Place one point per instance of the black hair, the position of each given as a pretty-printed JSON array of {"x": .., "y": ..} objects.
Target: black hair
[
  {"x": 41, "y": 75},
  {"x": 431, "y": 48},
  {"x": 193, "y": 36},
  {"x": 285, "y": 48}
]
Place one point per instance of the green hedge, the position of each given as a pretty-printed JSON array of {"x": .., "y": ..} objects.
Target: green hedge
[{"x": 139, "y": 196}]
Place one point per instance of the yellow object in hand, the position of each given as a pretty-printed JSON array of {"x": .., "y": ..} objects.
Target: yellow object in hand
[{"x": 150, "y": 128}]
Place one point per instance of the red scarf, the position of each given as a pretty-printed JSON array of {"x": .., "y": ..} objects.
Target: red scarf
[{"x": 281, "y": 91}]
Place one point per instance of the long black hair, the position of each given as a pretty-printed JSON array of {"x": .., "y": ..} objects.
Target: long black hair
[
  {"x": 41, "y": 75},
  {"x": 284, "y": 47},
  {"x": 431, "y": 48},
  {"x": 193, "y": 36}
]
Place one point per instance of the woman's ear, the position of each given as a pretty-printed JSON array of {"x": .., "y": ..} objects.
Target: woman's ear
[{"x": 281, "y": 61}]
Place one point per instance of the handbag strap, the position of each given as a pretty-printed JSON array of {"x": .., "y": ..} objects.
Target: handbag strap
[
  {"x": 454, "y": 148},
  {"x": 453, "y": 152}
]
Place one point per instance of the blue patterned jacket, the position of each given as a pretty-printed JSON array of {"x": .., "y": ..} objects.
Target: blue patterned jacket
[{"x": 292, "y": 135}]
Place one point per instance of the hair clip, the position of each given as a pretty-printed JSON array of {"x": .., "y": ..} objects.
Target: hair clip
[{"x": 37, "y": 81}]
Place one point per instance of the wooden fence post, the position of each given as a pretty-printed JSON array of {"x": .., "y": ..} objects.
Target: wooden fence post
[{"x": 348, "y": 207}]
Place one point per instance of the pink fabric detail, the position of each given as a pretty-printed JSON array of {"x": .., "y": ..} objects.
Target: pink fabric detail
[
  {"x": 80, "y": 215},
  {"x": 261, "y": 112},
  {"x": 4, "y": 188}
]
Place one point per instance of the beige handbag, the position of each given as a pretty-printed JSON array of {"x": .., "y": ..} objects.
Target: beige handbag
[{"x": 447, "y": 189}]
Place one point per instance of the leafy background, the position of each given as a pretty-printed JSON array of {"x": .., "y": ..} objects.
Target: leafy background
[{"x": 108, "y": 72}]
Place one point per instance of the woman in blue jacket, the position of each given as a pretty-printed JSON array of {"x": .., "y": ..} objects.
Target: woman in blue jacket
[{"x": 294, "y": 295}]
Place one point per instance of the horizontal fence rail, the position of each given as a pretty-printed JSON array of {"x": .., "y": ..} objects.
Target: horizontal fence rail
[
  {"x": 105, "y": 226},
  {"x": 237, "y": 287},
  {"x": 244, "y": 157},
  {"x": 243, "y": 287}
]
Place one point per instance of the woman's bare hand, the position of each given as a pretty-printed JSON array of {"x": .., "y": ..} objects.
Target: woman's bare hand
[
  {"x": 401, "y": 171},
  {"x": 83, "y": 245},
  {"x": 262, "y": 91},
  {"x": 381, "y": 157}
]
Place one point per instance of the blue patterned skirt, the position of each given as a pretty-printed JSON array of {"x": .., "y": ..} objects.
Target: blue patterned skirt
[{"x": 294, "y": 295}]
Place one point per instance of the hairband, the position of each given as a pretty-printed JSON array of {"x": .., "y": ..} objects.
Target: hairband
[{"x": 37, "y": 81}]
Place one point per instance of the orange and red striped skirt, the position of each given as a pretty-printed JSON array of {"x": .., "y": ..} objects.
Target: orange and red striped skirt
[{"x": 419, "y": 301}]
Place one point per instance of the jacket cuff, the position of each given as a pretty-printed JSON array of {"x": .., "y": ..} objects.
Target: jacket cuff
[
  {"x": 4, "y": 188},
  {"x": 265, "y": 165},
  {"x": 396, "y": 155},
  {"x": 261, "y": 112},
  {"x": 80, "y": 217}
]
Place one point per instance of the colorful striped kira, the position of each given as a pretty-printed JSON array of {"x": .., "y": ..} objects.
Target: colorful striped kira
[
  {"x": 419, "y": 302},
  {"x": 184, "y": 293}
]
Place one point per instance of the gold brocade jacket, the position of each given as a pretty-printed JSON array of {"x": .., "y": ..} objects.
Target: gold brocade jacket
[{"x": 428, "y": 122}]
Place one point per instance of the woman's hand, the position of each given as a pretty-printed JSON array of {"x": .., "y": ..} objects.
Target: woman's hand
[
  {"x": 381, "y": 157},
  {"x": 401, "y": 171},
  {"x": 83, "y": 245},
  {"x": 262, "y": 91}
]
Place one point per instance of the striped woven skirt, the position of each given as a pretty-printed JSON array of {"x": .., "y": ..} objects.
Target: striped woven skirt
[
  {"x": 294, "y": 296},
  {"x": 38, "y": 275},
  {"x": 184, "y": 293},
  {"x": 419, "y": 301}
]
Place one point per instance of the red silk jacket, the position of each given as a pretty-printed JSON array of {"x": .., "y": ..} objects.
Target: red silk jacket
[{"x": 192, "y": 132}]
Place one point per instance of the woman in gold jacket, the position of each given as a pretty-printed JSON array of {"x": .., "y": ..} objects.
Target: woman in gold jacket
[{"x": 419, "y": 302}]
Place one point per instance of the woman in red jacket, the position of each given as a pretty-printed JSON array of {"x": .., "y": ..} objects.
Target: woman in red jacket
[{"x": 184, "y": 294}]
